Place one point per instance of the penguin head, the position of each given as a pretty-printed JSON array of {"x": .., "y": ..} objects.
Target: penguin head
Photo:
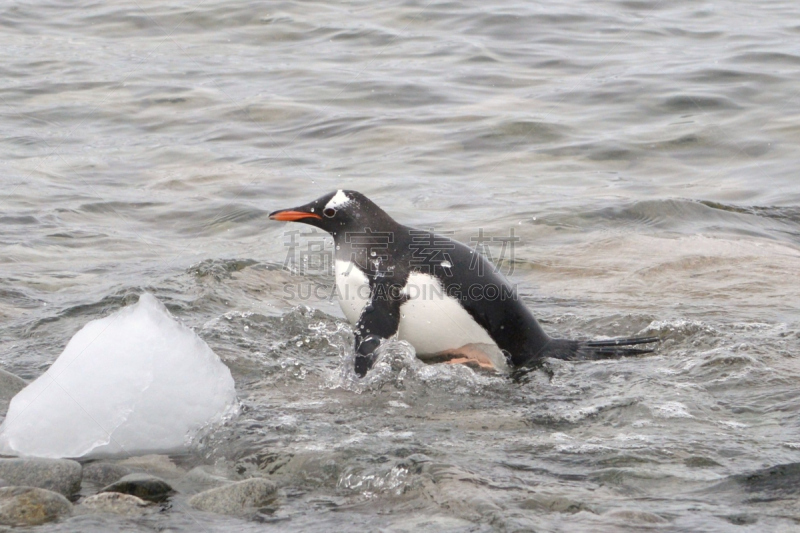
[{"x": 338, "y": 212}]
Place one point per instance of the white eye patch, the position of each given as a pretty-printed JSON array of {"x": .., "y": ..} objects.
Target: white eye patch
[{"x": 339, "y": 200}]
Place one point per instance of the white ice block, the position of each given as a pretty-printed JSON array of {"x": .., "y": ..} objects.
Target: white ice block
[{"x": 134, "y": 382}]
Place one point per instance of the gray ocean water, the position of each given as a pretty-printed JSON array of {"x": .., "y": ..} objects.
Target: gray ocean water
[{"x": 645, "y": 154}]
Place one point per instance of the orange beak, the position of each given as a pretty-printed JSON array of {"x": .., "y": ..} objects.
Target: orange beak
[{"x": 290, "y": 215}]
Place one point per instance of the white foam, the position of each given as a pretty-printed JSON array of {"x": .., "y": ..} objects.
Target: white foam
[
  {"x": 671, "y": 410},
  {"x": 134, "y": 382}
]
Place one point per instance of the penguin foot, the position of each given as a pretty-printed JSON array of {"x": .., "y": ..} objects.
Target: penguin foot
[{"x": 470, "y": 355}]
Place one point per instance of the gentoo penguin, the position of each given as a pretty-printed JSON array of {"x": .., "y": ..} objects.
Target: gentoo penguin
[{"x": 437, "y": 294}]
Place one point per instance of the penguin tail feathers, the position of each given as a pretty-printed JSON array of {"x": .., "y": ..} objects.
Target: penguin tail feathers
[
  {"x": 630, "y": 341},
  {"x": 611, "y": 348},
  {"x": 570, "y": 350}
]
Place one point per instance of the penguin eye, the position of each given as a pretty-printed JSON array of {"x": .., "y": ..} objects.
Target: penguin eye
[{"x": 329, "y": 212}]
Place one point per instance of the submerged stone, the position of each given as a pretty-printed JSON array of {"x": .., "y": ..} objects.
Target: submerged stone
[
  {"x": 201, "y": 477},
  {"x": 631, "y": 516},
  {"x": 144, "y": 486},
  {"x": 9, "y": 386},
  {"x": 102, "y": 474},
  {"x": 236, "y": 498},
  {"x": 774, "y": 481},
  {"x": 155, "y": 464},
  {"x": 116, "y": 503},
  {"x": 31, "y": 506},
  {"x": 59, "y": 475},
  {"x": 554, "y": 503}
]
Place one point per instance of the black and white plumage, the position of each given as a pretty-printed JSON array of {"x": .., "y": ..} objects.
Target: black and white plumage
[{"x": 436, "y": 293}]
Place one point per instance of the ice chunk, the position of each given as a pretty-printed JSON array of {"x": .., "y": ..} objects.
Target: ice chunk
[{"x": 136, "y": 381}]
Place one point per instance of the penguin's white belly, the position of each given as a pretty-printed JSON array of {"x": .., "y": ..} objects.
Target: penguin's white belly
[
  {"x": 352, "y": 287},
  {"x": 430, "y": 320},
  {"x": 433, "y": 322}
]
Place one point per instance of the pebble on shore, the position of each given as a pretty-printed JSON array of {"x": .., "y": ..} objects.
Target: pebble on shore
[
  {"x": 116, "y": 503},
  {"x": 102, "y": 474},
  {"x": 155, "y": 464},
  {"x": 236, "y": 498},
  {"x": 144, "y": 486},
  {"x": 31, "y": 506},
  {"x": 59, "y": 475},
  {"x": 37, "y": 486},
  {"x": 10, "y": 385}
]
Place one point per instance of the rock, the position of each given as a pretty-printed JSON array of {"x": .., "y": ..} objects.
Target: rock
[
  {"x": 157, "y": 465},
  {"x": 236, "y": 498},
  {"x": 200, "y": 477},
  {"x": 10, "y": 385},
  {"x": 555, "y": 504},
  {"x": 144, "y": 486},
  {"x": 102, "y": 474},
  {"x": 116, "y": 503},
  {"x": 462, "y": 493},
  {"x": 59, "y": 475},
  {"x": 317, "y": 468},
  {"x": 30, "y": 506},
  {"x": 630, "y": 516}
]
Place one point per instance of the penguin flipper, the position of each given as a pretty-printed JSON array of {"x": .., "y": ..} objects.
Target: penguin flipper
[{"x": 379, "y": 320}]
